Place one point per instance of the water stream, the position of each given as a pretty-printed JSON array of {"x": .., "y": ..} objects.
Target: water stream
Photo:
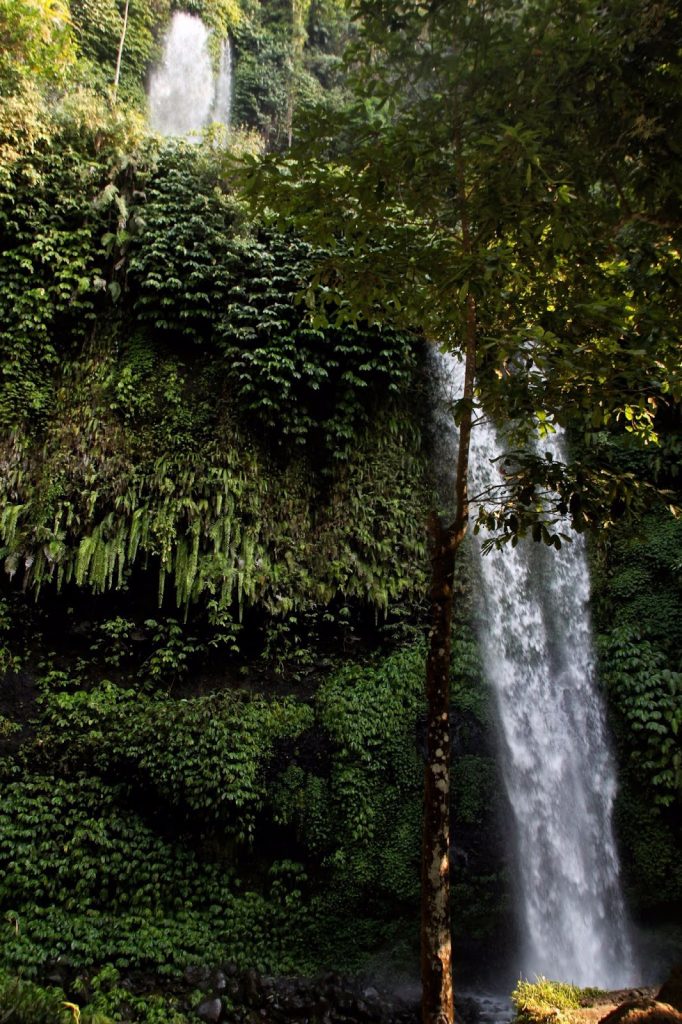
[
  {"x": 560, "y": 778},
  {"x": 185, "y": 94},
  {"x": 223, "y": 88}
]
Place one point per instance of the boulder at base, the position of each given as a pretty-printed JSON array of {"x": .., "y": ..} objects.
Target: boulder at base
[
  {"x": 671, "y": 991},
  {"x": 643, "y": 1011}
]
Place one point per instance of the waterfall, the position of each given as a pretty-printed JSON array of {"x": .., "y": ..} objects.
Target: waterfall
[
  {"x": 223, "y": 89},
  {"x": 560, "y": 778},
  {"x": 184, "y": 93}
]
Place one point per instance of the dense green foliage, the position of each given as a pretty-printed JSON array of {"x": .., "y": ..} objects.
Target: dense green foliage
[
  {"x": 637, "y": 601},
  {"x": 37, "y": 43},
  {"x": 23, "y": 1002},
  {"x": 151, "y": 830},
  {"x": 287, "y": 52},
  {"x": 147, "y": 432},
  {"x": 462, "y": 204},
  {"x": 90, "y": 873},
  {"x": 211, "y": 518},
  {"x": 99, "y": 24},
  {"x": 168, "y": 414}
]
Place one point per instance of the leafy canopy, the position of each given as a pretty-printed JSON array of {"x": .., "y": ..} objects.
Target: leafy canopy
[{"x": 476, "y": 162}]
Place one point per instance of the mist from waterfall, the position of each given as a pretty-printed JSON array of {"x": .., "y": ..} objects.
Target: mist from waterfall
[
  {"x": 223, "y": 89},
  {"x": 535, "y": 640},
  {"x": 185, "y": 94}
]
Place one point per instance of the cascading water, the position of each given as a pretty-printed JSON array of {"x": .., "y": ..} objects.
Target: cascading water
[
  {"x": 557, "y": 766},
  {"x": 223, "y": 89},
  {"x": 184, "y": 93}
]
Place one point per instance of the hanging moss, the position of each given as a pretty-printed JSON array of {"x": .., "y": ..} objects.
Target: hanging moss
[
  {"x": 229, "y": 525},
  {"x": 207, "y": 432}
]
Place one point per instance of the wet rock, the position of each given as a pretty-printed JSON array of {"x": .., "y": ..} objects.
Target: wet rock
[
  {"x": 296, "y": 1004},
  {"x": 362, "y": 1011},
  {"x": 671, "y": 991},
  {"x": 643, "y": 1011},
  {"x": 198, "y": 977},
  {"x": 251, "y": 990},
  {"x": 624, "y": 995},
  {"x": 59, "y": 972},
  {"x": 322, "y": 1006},
  {"x": 210, "y": 1011},
  {"x": 370, "y": 1006},
  {"x": 330, "y": 999},
  {"x": 218, "y": 981},
  {"x": 233, "y": 989}
]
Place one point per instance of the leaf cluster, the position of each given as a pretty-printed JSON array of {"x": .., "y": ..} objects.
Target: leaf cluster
[{"x": 647, "y": 694}]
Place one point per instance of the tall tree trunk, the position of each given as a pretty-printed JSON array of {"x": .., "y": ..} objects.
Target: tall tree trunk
[
  {"x": 436, "y": 944},
  {"x": 119, "y": 55},
  {"x": 436, "y": 932}
]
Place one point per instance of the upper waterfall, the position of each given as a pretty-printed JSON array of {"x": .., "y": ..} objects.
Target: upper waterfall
[
  {"x": 223, "y": 88},
  {"x": 559, "y": 774},
  {"x": 185, "y": 94}
]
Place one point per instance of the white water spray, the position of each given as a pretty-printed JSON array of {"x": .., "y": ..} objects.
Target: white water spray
[
  {"x": 223, "y": 89},
  {"x": 184, "y": 93},
  {"x": 557, "y": 766}
]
